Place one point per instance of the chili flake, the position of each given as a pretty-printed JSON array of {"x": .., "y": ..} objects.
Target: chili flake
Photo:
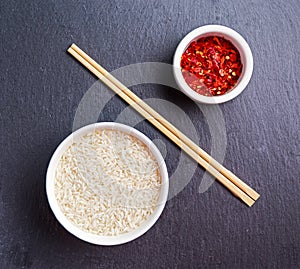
[{"x": 211, "y": 65}]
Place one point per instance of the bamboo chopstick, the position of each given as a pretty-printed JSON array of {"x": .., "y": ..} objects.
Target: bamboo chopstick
[
  {"x": 169, "y": 130},
  {"x": 247, "y": 189}
]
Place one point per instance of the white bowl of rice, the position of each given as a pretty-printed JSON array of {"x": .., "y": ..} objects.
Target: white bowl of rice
[{"x": 107, "y": 183}]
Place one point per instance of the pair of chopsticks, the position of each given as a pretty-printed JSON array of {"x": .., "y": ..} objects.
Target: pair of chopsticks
[{"x": 223, "y": 175}]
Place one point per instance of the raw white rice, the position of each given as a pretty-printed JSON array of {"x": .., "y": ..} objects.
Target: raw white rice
[{"x": 107, "y": 183}]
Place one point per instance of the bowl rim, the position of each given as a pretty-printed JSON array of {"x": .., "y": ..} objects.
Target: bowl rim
[
  {"x": 93, "y": 238},
  {"x": 232, "y": 36}
]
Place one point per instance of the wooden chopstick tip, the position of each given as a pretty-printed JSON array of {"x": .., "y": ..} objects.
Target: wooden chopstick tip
[
  {"x": 251, "y": 203},
  {"x": 256, "y": 197},
  {"x": 71, "y": 47}
]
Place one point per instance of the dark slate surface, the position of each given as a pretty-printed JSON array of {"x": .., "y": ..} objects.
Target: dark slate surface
[{"x": 41, "y": 87}]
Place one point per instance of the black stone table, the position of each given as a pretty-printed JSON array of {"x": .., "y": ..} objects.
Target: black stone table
[{"x": 42, "y": 87}]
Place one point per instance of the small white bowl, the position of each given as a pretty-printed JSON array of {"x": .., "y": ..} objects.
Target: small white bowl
[
  {"x": 93, "y": 238},
  {"x": 237, "y": 40}
]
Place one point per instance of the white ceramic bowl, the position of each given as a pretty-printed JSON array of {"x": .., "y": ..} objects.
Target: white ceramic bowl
[
  {"x": 92, "y": 238},
  {"x": 237, "y": 40}
]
